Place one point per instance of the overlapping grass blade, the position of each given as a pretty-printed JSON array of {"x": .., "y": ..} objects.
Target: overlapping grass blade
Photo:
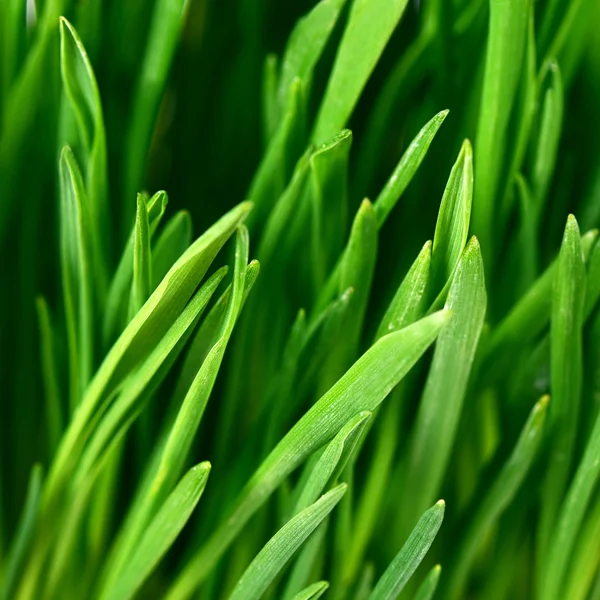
[
  {"x": 142, "y": 259},
  {"x": 427, "y": 589},
  {"x": 312, "y": 592},
  {"x": 172, "y": 242}
]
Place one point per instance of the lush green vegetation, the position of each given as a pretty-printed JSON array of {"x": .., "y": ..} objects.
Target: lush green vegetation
[{"x": 269, "y": 383}]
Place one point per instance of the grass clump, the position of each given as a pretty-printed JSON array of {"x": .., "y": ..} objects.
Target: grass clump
[{"x": 376, "y": 310}]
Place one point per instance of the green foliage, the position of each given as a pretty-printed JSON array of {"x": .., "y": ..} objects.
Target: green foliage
[{"x": 414, "y": 330}]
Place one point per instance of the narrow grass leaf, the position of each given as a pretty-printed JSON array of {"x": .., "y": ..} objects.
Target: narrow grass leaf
[
  {"x": 446, "y": 385},
  {"x": 370, "y": 25},
  {"x": 76, "y": 275},
  {"x": 452, "y": 225},
  {"x": 566, "y": 325},
  {"x": 363, "y": 387},
  {"x": 410, "y": 556},
  {"x": 498, "y": 498},
  {"x": 280, "y": 548},
  {"x": 406, "y": 168},
  {"x": 161, "y": 532}
]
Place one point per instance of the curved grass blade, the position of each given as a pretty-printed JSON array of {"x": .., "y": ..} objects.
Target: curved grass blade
[
  {"x": 452, "y": 225},
  {"x": 279, "y": 549},
  {"x": 363, "y": 387},
  {"x": 499, "y": 496},
  {"x": 410, "y": 556},
  {"x": 441, "y": 403},
  {"x": 172, "y": 242},
  {"x": 161, "y": 532},
  {"x": 369, "y": 27}
]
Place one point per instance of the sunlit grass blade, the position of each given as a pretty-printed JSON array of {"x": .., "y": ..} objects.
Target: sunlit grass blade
[
  {"x": 363, "y": 387},
  {"x": 161, "y": 532},
  {"x": 497, "y": 498},
  {"x": 410, "y": 556},
  {"x": 370, "y": 25},
  {"x": 312, "y": 592},
  {"x": 142, "y": 259},
  {"x": 282, "y": 545},
  {"x": 441, "y": 404}
]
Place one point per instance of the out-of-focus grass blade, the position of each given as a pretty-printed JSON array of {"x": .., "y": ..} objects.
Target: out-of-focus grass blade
[
  {"x": 566, "y": 324},
  {"x": 548, "y": 139},
  {"x": 142, "y": 259},
  {"x": 305, "y": 46},
  {"x": 329, "y": 183},
  {"x": 179, "y": 439},
  {"x": 406, "y": 168},
  {"x": 167, "y": 20},
  {"x": 505, "y": 48},
  {"x": 278, "y": 550},
  {"x": 585, "y": 562},
  {"x": 50, "y": 373},
  {"x": 410, "y": 556},
  {"x": 119, "y": 291},
  {"x": 499, "y": 496},
  {"x": 172, "y": 242},
  {"x": 571, "y": 516},
  {"x": 427, "y": 588},
  {"x": 312, "y": 592},
  {"x": 13, "y": 43},
  {"x": 363, "y": 387},
  {"x": 161, "y": 532},
  {"x": 82, "y": 90},
  {"x": 369, "y": 27},
  {"x": 592, "y": 289},
  {"x": 76, "y": 275},
  {"x": 24, "y": 534},
  {"x": 452, "y": 225},
  {"x": 410, "y": 300},
  {"x": 141, "y": 335},
  {"x": 441, "y": 403},
  {"x": 270, "y": 108}
]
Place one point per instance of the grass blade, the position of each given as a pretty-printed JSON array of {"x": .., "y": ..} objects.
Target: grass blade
[
  {"x": 312, "y": 592},
  {"x": 370, "y": 25},
  {"x": 161, "y": 532},
  {"x": 282, "y": 545},
  {"x": 410, "y": 556},
  {"x": 142, "y": 259},
  {"x": 429, "y": 586}
]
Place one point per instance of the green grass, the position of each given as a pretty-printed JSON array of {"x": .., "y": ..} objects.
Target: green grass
[{"x": 353, "y": 352}]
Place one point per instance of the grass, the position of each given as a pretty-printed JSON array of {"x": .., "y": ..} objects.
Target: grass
[{"x": 352, "y": 353}]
